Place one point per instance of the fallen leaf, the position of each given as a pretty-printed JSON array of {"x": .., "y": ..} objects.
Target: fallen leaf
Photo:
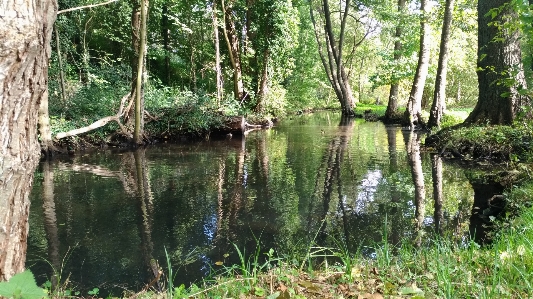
[
  {"x": 370, "y": 296},
  {"x": 219, "y": 263}
]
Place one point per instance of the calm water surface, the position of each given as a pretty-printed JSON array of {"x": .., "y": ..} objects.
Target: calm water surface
[{"x": 103, "y": 219}]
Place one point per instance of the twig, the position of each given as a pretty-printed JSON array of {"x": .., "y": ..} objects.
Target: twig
[{"x": 86, "y": 6}]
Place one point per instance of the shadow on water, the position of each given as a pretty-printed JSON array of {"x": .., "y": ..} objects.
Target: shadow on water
[{"x": 105, "y": 220}]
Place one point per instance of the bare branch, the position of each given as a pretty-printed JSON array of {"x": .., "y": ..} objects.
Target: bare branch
[{"x": 86, "y": 6}]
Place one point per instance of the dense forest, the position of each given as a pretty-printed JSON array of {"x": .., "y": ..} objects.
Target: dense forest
[
  {"x": 134, "y": 71},
  {"x": 201, "y": 60}
]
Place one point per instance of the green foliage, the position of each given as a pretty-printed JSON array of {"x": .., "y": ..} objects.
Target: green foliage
[
  {"x": 21, "y": 286},
  {"x": 181, "y": 112},
  {"x": 454, "y": 117}
]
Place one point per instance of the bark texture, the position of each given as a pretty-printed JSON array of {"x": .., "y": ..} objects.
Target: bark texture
[
  {"x": 500, "y": 71},
  {"x": 25, "y": 33}
]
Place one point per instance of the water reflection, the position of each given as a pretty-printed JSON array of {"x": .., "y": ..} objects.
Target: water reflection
[
  {"x": 488, "y": 205},
  {"x": 415, "y": 162},
  {"x": 117, "y": 216},
  {"x": 50, "y": 223},
  {"x": 436, "y": 175}
]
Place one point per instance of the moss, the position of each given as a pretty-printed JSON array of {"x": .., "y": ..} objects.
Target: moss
[{"x": 495, "y": 143}]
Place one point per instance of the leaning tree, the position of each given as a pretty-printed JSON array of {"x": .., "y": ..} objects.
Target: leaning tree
[
  {"x": 500, "y": 73},
  {"x": 347, "y": 16},
  {"x": 25, "y": 32}
]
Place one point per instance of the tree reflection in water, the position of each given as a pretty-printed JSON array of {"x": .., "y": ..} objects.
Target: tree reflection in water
[{"x": 336, "y": 179}]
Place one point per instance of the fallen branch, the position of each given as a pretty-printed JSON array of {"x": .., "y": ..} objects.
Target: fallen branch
[
  {"x": 86, "y": 6},
  {"x": 99, "y": 123}
]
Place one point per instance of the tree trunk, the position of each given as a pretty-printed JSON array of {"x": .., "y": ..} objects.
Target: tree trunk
[
  {"x": 218, "y": 69},
  {"x": 25, "y": 32},
  {"x": 439, "y": 96},
  {"x": 500, "y": 71},
  {"x": 331, "y": 55},
  {"x": 263, "y": 84},
  {"x": 413, "y": 113},
  {"x": 45, "y": 133},
  {"x": 60, "y": 64},
  {"x": 139, "y": 92},
  {"x": 165, "y": 32},
  {"x": 392, "y": 106},
  {"x": 232, "y": 41}
]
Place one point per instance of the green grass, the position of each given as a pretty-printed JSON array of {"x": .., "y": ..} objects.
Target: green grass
[{"x": 440, "y": 269}]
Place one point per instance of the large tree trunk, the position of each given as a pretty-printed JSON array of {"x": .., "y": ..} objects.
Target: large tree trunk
[
  {"x": 500, "y": 71},
  {"x": 439, "y": 96},
  {"x": 25, "y": 32},
  {"x": 392, "y": 106},
  {"x": 413, "y": 113}
]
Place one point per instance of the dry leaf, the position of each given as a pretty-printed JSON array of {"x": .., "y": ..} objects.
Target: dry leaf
[{"x": 370, "y": 296}]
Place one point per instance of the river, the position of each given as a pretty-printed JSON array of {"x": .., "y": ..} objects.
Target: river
[{"x": 105, "y": 219}]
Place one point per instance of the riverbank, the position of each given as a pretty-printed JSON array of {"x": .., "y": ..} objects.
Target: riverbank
[{"x": 177, "y": 125}]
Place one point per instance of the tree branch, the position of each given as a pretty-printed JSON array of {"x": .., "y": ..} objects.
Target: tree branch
[
  {"x": 99, "y": 123},
  {"x": 86, "y": 6}
]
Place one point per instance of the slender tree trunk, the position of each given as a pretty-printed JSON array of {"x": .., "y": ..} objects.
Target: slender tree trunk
[
  {"x": 165, "y": 32},
  {"x": 60, "y": 62},
  {"x": 218, "y": 69},
  {"x": 439, "y": 96},
  {"x": 232, "y": 41},
  {"x": 331, "y": 55},
  {"x": 25, "y": 32},
  {"x": 500, "y": 70},
  {"x": 413, "y": 113},
  {"x": 263, "y": 84},
  {"x": 139, "y": 92},
  {"x": 392, "y": 106}
]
